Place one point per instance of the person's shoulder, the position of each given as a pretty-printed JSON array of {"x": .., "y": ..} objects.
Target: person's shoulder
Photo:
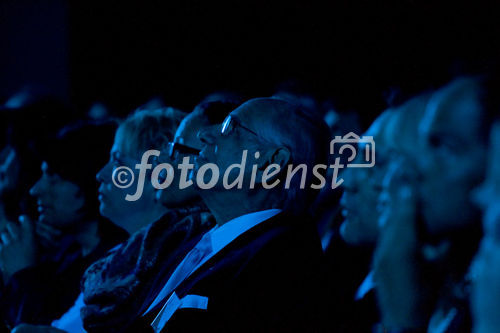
[
  {"x": 287, "y": 227},
  {"x": 281, "y": 234},
  {"x": 182, "y": 221}
]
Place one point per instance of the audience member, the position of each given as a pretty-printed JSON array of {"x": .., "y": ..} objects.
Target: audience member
[
  {"x": 260, "y": 268},
  {"x": 485, "y": 271},
  {"x": 430, "y": 228},
  {"x": 39, "y": 288}
]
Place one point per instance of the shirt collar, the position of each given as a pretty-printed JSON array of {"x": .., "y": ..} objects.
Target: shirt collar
[
  {"x": 222, "y": 235},
  {"x": 365, "y": 287}
]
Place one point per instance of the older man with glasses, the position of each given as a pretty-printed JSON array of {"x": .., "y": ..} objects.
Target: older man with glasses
[{"x": 259, "y": 269}]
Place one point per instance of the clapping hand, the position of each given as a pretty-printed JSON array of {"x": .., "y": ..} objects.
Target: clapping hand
[
  {"x": 17, "y": 247},
  {"x": 396, "y": 258}
]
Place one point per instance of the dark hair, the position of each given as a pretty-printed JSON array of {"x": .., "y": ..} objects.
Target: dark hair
[
  {"x": 77, "y": 153},
  {"x": 26, "y": 127}
]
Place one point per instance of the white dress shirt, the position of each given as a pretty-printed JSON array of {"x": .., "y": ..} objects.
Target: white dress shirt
[
  {"x": 71, "y": 321},
  {"x": 366, "y": 286}
]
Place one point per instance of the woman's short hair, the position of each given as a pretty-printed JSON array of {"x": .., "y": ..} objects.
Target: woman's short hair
[{"x": 150, "y": 129}]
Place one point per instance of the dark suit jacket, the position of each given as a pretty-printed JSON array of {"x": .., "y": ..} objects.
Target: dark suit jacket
[{"x": 269, "y": 279}]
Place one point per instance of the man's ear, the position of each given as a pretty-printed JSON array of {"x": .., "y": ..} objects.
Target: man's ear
[
  {"x": 272, "y": 161},
  {"x": 281, "y": 156}
]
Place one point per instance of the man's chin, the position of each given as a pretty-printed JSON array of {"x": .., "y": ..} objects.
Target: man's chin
[
  {"x": 103, "y": 210},
  {"x": 349, "y": 233},
  {"x": 107, "y": 213}
]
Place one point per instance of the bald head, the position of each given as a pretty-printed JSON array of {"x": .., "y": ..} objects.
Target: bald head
[
  {"x": 283, "y": 123},
  {"x": 187, "y": 132},
  {"x": 265, "y": 136}
]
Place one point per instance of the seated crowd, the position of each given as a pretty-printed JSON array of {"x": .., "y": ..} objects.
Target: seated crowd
[{"x": 240, "y": 217}]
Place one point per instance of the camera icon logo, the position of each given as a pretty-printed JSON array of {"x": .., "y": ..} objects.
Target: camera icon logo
[{"x": 353, "y": 143}]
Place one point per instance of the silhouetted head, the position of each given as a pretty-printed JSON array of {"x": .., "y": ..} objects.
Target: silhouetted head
[
  {"x": 454, "y": 133},
  {"x": 66, "y": 193},
  {"x": 187, "y": 144},
  {"x": 395, "y": 132}
]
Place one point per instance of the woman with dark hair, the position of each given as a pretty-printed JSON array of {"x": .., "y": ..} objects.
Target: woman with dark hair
[
  {"x": 20, "y": 144},
  {"x": 42, "y": 263}
]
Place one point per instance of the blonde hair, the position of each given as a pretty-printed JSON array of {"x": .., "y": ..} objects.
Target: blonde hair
[{"x": 150, "y": 129}]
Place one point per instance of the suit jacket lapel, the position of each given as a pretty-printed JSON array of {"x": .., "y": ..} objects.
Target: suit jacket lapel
[{"x": 243, "y": 246}]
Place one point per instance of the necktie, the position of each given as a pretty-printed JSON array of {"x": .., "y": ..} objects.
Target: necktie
[{"x": 185, "y": 268}]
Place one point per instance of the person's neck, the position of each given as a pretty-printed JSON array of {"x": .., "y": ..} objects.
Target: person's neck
[
  {"x": 137, "y": 222},
  {"x": 228, "y": 205},
  {"x": 88, "y": 237}
]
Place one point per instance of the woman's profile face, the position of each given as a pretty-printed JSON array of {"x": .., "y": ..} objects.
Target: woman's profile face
[
  {"x": 113, "y": 204},
  {"x": 362, "y": 187},
  {"x": 453, "y": 157},
  {"x": 59, "y": 201}
]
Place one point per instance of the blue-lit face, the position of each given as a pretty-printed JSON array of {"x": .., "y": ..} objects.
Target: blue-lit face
[
  {"x": 226, "y": 148},
  {"x": 453, "y": 157},
  {"x": 488, "y": 194},
  {"x": 126, "y": 214},
  {"x": 186, "y": 134},
  {"x": 362, "y": 187},
  {"x": 59, "y": 201}
]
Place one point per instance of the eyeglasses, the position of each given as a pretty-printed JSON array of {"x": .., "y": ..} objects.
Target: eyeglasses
[
  {"x": 230, "y": 123},
  {"x": 176, "y": 148}
]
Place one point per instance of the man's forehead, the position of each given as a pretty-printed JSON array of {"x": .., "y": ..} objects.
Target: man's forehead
[
  {"x": 182, "y": 129},
  {"x": 247, "y": 110},
  {"x": 187, "y": 132},
  {"x": 379, "y": 129},
  {"x": 262, "y": 109}
]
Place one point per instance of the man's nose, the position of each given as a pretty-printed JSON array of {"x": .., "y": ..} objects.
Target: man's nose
[
  {"x": 35, "y": 190},
  {"x": 350, "y": 181},
  {"x": 101, "y": 175}
]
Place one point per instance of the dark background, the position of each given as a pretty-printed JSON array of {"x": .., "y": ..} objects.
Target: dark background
[{"x": 354, "y": 52}]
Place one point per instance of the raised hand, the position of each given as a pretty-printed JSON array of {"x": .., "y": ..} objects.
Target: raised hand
[
  {"x": 48, "y": 236},
  {"x": 17, "y": 247},
  {"x": 396, "y": 259}
]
